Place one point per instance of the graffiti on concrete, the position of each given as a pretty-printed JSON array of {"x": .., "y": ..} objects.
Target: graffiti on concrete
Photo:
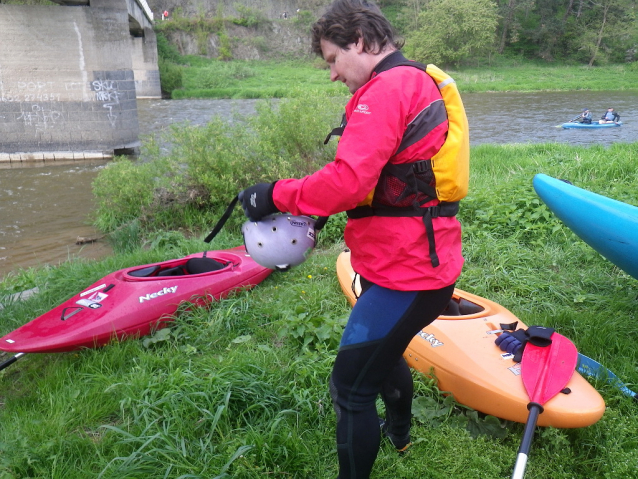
[
  {"x": 40, "y": 117},
  {"x": 106, "y": 92}
]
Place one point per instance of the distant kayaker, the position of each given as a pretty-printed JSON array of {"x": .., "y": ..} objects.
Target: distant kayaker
[
  {"x": 585, "y": 116},
  {"x": 610, "y": 116},
  {"x": 405, "y": 243}
]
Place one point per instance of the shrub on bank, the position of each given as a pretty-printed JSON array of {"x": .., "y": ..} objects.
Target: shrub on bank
[{"x": 190, "y": 185}]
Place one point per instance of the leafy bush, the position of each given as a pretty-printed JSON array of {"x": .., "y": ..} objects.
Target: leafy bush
[
  {"x": 206, "y": 166},
  {"x": 166, "y": 50},
  {"x": 171, "y": 76},
  {"x": 248, "y": 17},
  {"x": 222, "y": 74}
]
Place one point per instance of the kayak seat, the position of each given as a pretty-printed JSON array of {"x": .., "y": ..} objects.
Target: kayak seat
[
  {"x": 461, "y": 307},
  {"x": 203, "y": 265},
  {"x": 468, "y": 307},
  {"x": 176, "y": 271},
  {"x": 144, "y": 272}
]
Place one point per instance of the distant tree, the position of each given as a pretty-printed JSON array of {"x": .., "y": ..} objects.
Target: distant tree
[
  {"x": 607, "y": 30},
  {"x": 509, "y": 11},
  {"x": 451, "y": 31}
]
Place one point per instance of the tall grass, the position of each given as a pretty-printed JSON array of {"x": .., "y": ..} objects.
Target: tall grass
[
  {"x": 284, "y": 79},
  {"x": 190, "y": 184},
  {"x": 247, "y": 79},
  {"x": 241, "y": 389}
]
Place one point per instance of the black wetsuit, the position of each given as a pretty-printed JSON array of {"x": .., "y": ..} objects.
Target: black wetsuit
[{"x": 370, "y": 362}]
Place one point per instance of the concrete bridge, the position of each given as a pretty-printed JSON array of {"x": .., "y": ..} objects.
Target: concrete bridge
[{"x": 70, "y": 77}]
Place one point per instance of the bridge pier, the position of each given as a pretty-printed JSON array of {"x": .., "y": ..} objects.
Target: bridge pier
[{"x": 70, "y": 77}]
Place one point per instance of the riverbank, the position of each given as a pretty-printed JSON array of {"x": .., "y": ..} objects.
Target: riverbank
[
  {"x": 206, "y": 78},
  {"x": 241, "y": 388}
]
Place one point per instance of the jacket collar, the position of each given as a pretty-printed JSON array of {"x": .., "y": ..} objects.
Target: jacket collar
[{"x": 391, "y": 61}]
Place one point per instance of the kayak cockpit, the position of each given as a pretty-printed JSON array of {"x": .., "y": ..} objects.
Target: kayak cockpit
[
  {"x": 188, "y": 267},
  {"x": 461, "y": 307}
]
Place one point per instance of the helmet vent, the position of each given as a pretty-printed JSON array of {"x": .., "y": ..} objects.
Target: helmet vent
[{"x": 279, "y": 241}]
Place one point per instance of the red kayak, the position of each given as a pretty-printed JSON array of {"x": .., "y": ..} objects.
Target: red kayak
[{"x": 134, "y": 301}]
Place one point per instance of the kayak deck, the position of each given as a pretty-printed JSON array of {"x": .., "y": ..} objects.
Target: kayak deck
[
  {"x": 607, "y": 225},
  {"x": 591, "y": 125},
  {"x": 135, "y": 301},
  {"x": 461, "y": 352}
]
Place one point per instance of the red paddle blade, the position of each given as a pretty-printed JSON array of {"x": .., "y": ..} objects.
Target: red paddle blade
[{"x": 546, "y": 371}]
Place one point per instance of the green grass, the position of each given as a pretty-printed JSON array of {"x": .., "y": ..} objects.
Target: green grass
[
  {"x": 241, "y": 389},
  {"x": 285, "y": 79},
  {"x": 256, "y": 79},
  {"x": 543, "y": 77}
]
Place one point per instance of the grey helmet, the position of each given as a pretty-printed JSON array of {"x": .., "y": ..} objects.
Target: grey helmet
[{"x": 280, "y": 241}]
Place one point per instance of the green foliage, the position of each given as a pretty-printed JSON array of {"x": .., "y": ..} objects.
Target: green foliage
[
  {"x": 222, "y": 74},
  {"x": 593, "y": 33},
  {"x": 171, "y": 75},
  {"x": 166, "y": 50},
  {"x": 269, "y": 79},
  {"x": 248, "y": 16},
  {"x": 123, "y": 189},
  {"x": 451, "y": 31},
  {"x": 434, "y": 408},
  {"x": 332, "y": 232},
  {"x": 315, "y": 332},
  {"x": 514, "y": 75},
  {"x": 191, "y": 184},
  {"x": 277, "y": 79}
]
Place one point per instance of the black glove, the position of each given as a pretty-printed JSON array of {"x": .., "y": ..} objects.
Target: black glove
[{"x": 257, "y": 201}]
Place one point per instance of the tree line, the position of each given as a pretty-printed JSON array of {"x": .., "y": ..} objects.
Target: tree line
[{"x": 592, "y": 32}]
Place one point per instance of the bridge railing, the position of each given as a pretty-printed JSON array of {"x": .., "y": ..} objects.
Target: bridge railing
[{"x": 147, "y": 10}]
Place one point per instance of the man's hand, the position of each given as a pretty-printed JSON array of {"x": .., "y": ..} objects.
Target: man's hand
[{"x": 257, "y": 201}]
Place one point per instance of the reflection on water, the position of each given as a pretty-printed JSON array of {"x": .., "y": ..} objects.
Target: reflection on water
[{"x": 45, "y": 207}]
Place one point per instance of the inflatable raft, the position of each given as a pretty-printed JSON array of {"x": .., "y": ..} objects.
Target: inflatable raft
[
  {"x": 609, "y": 226},
  {"x": 134, "y": 301},
  {"x": 459, "y": 348}
]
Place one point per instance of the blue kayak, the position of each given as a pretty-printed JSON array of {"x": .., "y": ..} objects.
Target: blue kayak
[
  {"x": 591, "y": 125},
  {"x": 609, "y": 226}
]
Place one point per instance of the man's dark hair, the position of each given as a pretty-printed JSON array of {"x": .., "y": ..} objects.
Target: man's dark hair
[{"x": 346, "y": 21}]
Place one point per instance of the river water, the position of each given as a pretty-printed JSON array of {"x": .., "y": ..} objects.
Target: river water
[{"x": 45, "y": 207}]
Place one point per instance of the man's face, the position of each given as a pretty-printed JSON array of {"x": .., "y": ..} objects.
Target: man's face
[{"x": 348, "y": 66}]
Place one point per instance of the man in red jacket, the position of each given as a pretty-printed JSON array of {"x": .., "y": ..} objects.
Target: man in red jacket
[{"x": 395, "y": 119}]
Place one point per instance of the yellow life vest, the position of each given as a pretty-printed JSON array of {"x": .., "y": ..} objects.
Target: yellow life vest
[
  {"x": 445, "y": 176},
  {"x": 451, "y": 165}
]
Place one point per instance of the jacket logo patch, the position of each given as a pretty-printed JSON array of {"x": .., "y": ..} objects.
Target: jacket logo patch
[{"x": 362, "y": 108}]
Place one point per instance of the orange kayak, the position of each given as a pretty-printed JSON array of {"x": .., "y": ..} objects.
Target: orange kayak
[{"x": 461, "y": 352}]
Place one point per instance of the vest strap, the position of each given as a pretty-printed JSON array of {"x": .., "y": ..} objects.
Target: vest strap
[{"x": 442, "y": 209}]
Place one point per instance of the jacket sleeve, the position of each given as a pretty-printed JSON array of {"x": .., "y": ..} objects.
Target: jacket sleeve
[{"x": 377, "y": 117}]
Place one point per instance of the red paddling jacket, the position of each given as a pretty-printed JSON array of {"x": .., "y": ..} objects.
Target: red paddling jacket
[{"x": 398, "y": 102}]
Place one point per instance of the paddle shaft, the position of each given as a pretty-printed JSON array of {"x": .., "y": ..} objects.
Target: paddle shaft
[
  {"x": 570, "y": 121},
  {"x": 588, "y": 367},
  {"x": 10, "y": 361},
  {"x": 528, "y": 434}
]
